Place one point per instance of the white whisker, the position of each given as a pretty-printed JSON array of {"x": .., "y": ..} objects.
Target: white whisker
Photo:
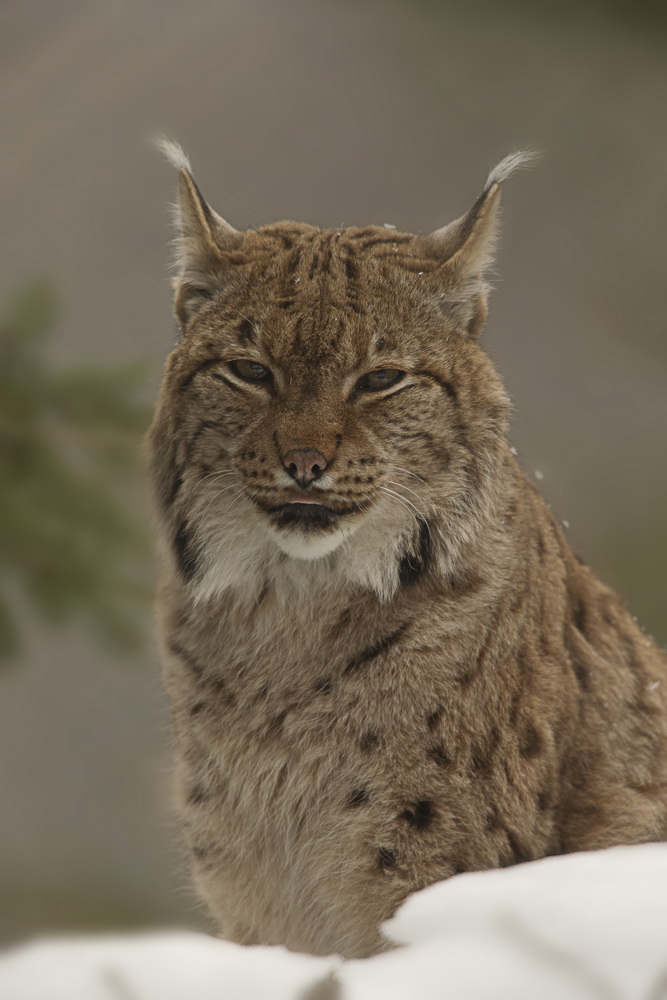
[
  {"x": 406, "y": 503},
  {"x": 407, "y": 472},
  {"x": 214, "y": 475},
  {"x": 240, "y": 493},
  {"x": 402, "y": 487},
  {"x": 216, "y": 496}
]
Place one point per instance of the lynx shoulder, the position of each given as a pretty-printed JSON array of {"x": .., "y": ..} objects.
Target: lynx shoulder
[{"x": 384, "y": 662}]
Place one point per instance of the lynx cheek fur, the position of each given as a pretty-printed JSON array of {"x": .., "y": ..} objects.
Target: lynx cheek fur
[{"x": 385, "y": 664}]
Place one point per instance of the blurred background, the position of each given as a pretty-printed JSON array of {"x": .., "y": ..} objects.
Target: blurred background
[{"x": 334, "y": 112}]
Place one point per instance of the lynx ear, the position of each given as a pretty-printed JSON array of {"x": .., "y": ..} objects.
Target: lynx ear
[
  {"x": 465, "y": 249},
  {"x": 204, "y": 241}
]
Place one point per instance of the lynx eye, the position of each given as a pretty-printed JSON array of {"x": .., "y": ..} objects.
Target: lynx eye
[
  {"x": 383, "y": 378},
  {"x": 250, "y": 371}
]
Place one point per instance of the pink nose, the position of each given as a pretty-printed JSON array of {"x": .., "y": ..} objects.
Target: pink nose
[{"x": 304, "y": 465}]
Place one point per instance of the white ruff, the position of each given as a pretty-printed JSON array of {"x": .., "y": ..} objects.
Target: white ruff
[
  {"x": 309, "y": 547},
  {"x": 249, "y": 552}
]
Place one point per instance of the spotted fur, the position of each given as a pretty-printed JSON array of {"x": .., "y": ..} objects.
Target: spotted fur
[{"x": 416, "y": 676}]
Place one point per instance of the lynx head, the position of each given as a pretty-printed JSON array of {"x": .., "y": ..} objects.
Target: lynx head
[{"x": 327, "y": 413}]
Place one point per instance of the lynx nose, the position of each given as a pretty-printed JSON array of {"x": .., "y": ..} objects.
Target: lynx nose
[{"x": 304, "y": 465}]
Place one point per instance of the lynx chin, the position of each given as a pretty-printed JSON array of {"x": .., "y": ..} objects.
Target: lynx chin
[{"x": 385, "y": 663}]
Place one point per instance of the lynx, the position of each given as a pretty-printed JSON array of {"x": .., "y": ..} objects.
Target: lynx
[{"x": 385, "y": 664}]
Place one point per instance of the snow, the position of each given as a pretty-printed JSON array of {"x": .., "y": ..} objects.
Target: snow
[
  {"x": 581, "y": 927},
  {"x": 175, "y": 965}
]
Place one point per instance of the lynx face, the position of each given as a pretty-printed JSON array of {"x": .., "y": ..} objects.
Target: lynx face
[{"x": 327, "y": 397}]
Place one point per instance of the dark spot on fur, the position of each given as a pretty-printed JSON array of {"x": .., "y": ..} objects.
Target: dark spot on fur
[
  {"x": 174, "y": 489},
  {"x": 323, "y": 685},
  {"x": 541, "y": 548},
  {"x": 515, "y": 706},
  {"x": 530, "y": 744},
  {"x": 466, "y": 677},
  {"x": 580, "y": 672},
  {"x": 415, "y": 564},
  {"x": 281, "y": 779},
  {"x": 492, "y": 819},
  {"x": 187, "y": 557},
  {"x": 517, "y": 601},
  {"x": 386, "y": 859},
  {"x": 372, "y": 652},
  {"x": 275, "y": 727},
  {"x": 579, "y": 616},
  {"x": 580, "y": 769},
  {"x": 216, "y": 683},
  {"x": 433, "y": 720},
  {"x": 313, "y": 266},
  {"x": 470, "y": 672},
  {"x": 246, "y": 333},
  {"x": 368, "y": 741},
  {"x": 198, "y": 707},
  {"x": 200, "y": 852},
  {"x": 543, "y": 801},
  {"x": 263, "y": 594},
  {"x": 187, "y": 658},
  {"x": 343, "y": 621},
  {"x": 198, "y": 795},
  {"x": 419, "y": 814},
  {"x": 437, "y": 753},
  {"x": 482, "y": 752},
  {"x": 519, "y": 853},
  {"x": 357, "y": 797},
  {"x": 465, "y": 585},
  {"x": 263, "y": 692},
  {"x": 479, "y": 758}
]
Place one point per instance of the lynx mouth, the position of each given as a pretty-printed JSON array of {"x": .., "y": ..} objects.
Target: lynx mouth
[
  {"x": 308, "y": 515},
  {"x": 309, "y": 530}
]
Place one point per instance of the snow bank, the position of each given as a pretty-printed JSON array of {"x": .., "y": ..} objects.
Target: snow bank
[
  {"x": 583, "y": 926},
  {"x": 162, "y": 966},
  {"x": 587, "y": 926}
]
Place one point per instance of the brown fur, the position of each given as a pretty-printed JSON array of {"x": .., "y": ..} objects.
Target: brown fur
[{"x": 448, "y": 688}]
